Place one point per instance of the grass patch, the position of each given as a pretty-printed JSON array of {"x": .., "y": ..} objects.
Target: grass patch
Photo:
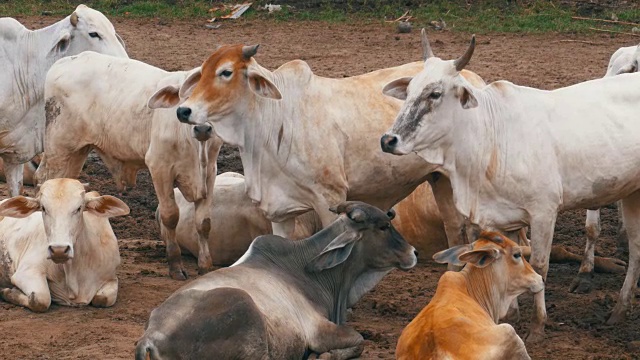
[{"x": 532, "y": 16}]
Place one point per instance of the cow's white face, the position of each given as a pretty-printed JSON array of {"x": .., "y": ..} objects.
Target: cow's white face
[
  {"x": 90, "y": 30},
  {"x": 431, "y": 99},
  {"x": 62, "y": 203}
]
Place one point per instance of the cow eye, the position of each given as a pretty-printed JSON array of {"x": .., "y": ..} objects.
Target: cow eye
[
  {"x": 435, "y": 95},
  {"x": 95, "y": 35},
  {"x": 226, "y": 73},
  {"x": 517, "y": 255}
]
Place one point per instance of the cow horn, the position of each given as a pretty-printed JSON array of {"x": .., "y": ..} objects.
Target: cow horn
[
  {"x": 249, "y": 51},
  {"x": 74, "y": 19},
  {"x": 426, "y": 47},
  {"x": 462, "y": 61}
]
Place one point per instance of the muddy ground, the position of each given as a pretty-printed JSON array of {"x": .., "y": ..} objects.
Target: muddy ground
[{"x": 575, "y": 328}]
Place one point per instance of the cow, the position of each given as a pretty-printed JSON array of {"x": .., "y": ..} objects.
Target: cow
[
  {"x": 26, "y": 57},
  {"x": 306, "y": 142},
  {"x": 27, "y": 174},
  {"x": 461, "y": 320},
  {"x": 555, "y": 164},
  {"x": 123, "y": 118},
  {"x": 282, "y": 299},
  {"x": 623, "y": 61},
  {"x": 59, "y": 246}
]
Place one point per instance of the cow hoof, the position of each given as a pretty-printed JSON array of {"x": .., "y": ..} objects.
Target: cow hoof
[
  {"x": 178, "y": 275},
  {"x": 581, "y": 284},
  {"x": 100, "y": 301},
  {"x": 534, "y": 337}
]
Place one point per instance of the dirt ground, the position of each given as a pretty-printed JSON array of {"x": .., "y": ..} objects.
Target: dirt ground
[{"x": 575, "y": 327}]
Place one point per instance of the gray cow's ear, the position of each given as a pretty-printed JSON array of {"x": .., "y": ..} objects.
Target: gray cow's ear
[
  {"x": 335, "y": 253},
  {"x": 451, "y": 255}
]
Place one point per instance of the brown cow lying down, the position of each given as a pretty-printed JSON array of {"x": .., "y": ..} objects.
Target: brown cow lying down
[
  {"x": 283, "y": 299},
  {"x": 59, "y": 247},
  {"x": 461, "y": 321}
]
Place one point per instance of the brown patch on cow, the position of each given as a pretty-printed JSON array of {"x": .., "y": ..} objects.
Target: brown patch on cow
[
  {"x": 490, "y": 173},
  {"x": 51, "y": 111},
  {"x": 500, "y": 86}
]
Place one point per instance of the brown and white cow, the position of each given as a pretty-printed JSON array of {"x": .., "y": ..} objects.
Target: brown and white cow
[
  {"x": 59, "y": 246},
  {"x": 122, "y": 117},
  {"x": 461, "y": 321},
  {"x": 308, "y": 142}
]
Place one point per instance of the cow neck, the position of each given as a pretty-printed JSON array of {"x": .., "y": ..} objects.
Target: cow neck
[
  {"x": 267, "y": 132},
  {"x": 485, "y": 289},
  {"x": 33, "y": 60},
  {"x": 475, "y": 151},
  {"x": 92, "y": 253},
  {"x": 334, "y": 284}
]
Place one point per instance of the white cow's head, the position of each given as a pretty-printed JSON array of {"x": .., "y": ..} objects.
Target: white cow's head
[
  {"x": 62, "y": 203},
  {"x": 88, "y": 30},
  {"x": 430, "y": 97}
]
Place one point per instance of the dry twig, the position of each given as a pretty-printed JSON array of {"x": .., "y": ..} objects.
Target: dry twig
[
  {"x": 605, "y": 20},
  {"x": 615, "y": 32}
]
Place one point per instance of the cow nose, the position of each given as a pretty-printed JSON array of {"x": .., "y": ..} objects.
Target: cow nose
[
  {"x": 415, "y": 252},
  {"x": 59, "y": 253},
  {"x": 183, "y": 114},
  {"x": 388, "y": 143},
  {"x": 202, "y": 132}
]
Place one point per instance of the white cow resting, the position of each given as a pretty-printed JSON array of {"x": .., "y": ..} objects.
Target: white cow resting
[
  {"x": 59, "y": 247},
  {"x": 113, "y": 117},
  {"x": 516, "y": 155},
  {"x": 26, "y": 56}
]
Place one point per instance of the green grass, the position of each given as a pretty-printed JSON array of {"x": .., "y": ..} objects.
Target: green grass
[{"x": 533, "y": 16}]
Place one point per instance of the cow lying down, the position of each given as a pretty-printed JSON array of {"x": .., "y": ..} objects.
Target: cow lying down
[
  {"x": 283, "y": 299},
  {"x": 461, "y": 321},
  {"x": 59, "y": 247}
]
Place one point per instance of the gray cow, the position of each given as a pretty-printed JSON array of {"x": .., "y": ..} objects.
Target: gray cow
[{"x": 283, "y": 299}]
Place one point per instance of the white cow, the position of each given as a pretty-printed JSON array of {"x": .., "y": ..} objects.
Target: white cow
[
  {"x": 516, "y": 155},
  {"x": 59, "y": 247},
  {"x": 116, "y": 117},
  {"x": 308, "y": 142},
  {"x": 623, "y": 61},
  {"x": 26, "y": 56}
]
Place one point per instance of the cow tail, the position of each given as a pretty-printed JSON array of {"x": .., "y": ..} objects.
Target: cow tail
[{"x": 145, "y": 347}]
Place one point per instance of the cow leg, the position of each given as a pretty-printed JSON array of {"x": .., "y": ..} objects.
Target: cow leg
[
  {"x": 107, "y": 294},
  {"x": 541, "y": 239},
  {"x": 631, "y": 213},
  {"x": 203, "y": 226},
  {"x": 623, "y": 238},
  {"x": 30, "y": 291},
  {"x": 454, "y": 222},
  {"x": 13, "y": 173},
  {"x": 582, "y": 283},
  {"x": 336, "y": 342},
  {"x": 169, "y": 217}
]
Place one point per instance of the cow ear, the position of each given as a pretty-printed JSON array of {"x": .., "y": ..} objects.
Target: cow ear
[
  {"x": 335, "y": 253},
  {"x": 397, "y": 88},
  {"x": 480, "y": 257},
  {"x": 121, "y": 41},
  {"x": 62, "y": 45},
  {"x": 467, "y": 99},
  {"x": 630, "y": 68},
  {"x": 167, "y": 97},
  {"x": 190, "y": 83},
  {"x": 262, "y": 86},
  {"x": 19, "y": 207},
  {"x": 105, "y": 206},
  {"x": 450, "y": 256}
]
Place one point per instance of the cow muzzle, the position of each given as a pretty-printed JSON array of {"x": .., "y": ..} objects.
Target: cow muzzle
[
  {"x": 389, "y": 144},
  {"x": 202, "y": 132},
  {"x": 410, "y": 261},
  {"x": 60, "y": 254},
  {"x": 184, "y": 114}
]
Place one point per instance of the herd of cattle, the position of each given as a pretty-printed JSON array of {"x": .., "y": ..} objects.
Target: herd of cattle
[{"x": 318, "y": 168}]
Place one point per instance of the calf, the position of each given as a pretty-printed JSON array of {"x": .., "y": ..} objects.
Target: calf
[
  {"x": 461, "y": 321},
  {"x": 283, "y": 299},
  {"x": 59, "y": 247}
]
